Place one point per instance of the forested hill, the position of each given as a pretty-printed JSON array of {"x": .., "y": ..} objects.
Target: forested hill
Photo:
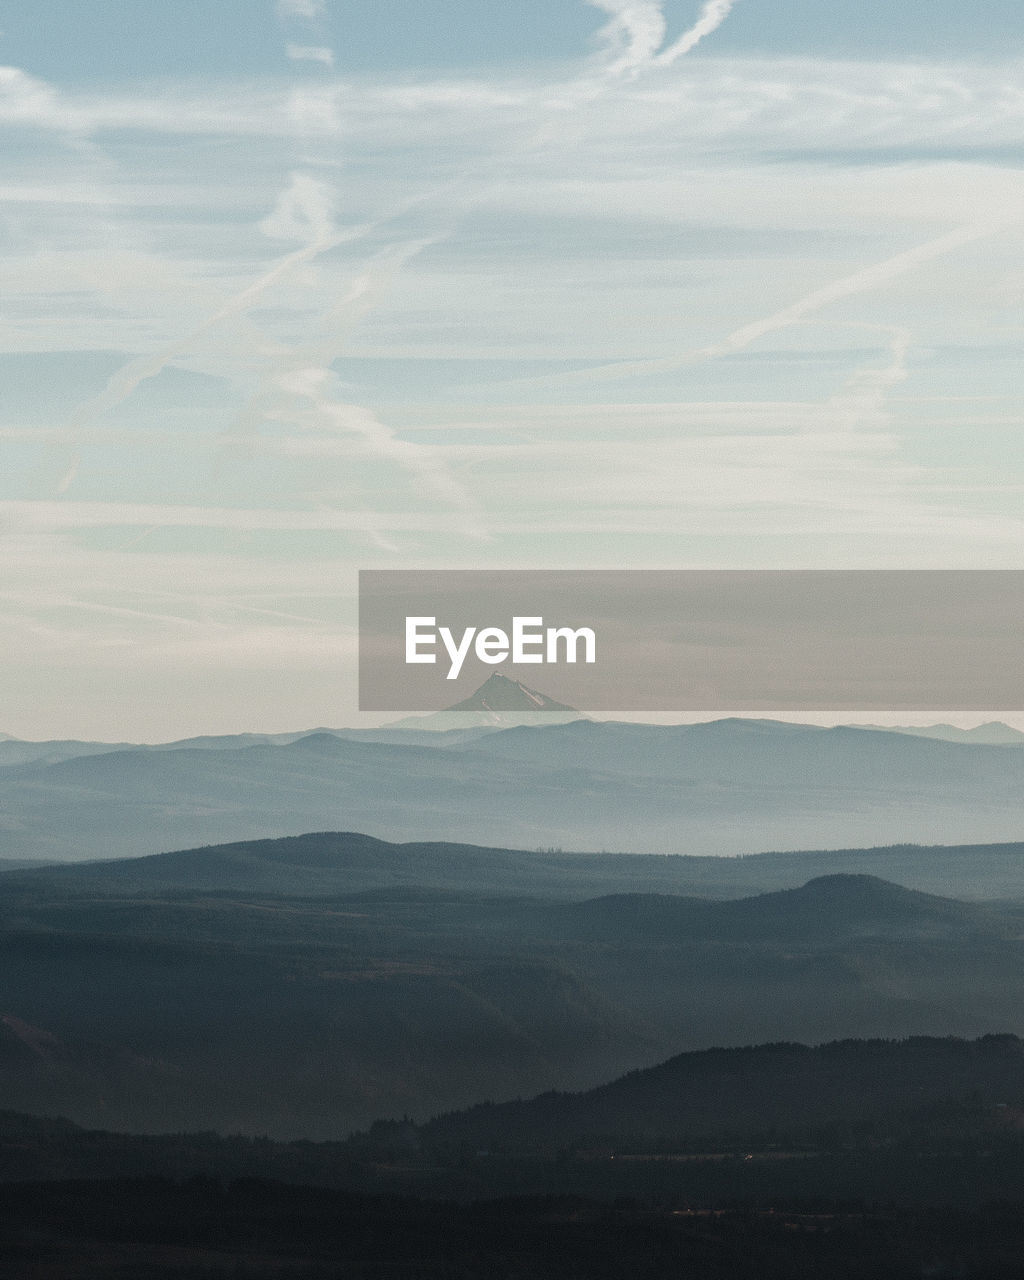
[
  {"x": 780, "y": 1090},
  {"x": 332, "y": 862}
]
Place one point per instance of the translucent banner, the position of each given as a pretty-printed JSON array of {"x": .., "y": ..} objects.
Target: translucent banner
[{"x": 697, "y": 640}]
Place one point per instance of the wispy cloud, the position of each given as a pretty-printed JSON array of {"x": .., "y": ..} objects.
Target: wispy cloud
[
  {"x": 742, "y": 102},
  {"x": 862, "y": 398},
  {"x": 299, "y": 390},
  {"x": 303, "y": 212},
  {"x": 634, "y": 34},
  {"x": 310, "y": 10},
  {"x": 711, "y": 17},
  {"x": 25, "y": 99},
  {"x": 424, "y": 464},
  {"x": 310, "y": 53},
  {"x": 866, "y": 280},
  {"x": 24, "y": 516}
]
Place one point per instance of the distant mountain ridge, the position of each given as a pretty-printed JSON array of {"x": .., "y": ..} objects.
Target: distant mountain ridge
[
  {"x": 992, "y": 733},
  {"x": 725, "y": 787},
  {"x": 499, "y": 703}
]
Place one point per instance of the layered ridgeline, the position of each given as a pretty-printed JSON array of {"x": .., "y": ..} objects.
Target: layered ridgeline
[
  {"x": 782, "y": 1098},
  {"x": 305, "y": 987},
  {"x": 857, "y": 1159},
  {"x": 726, "y": 787},
  {"x": 327, "y": 863}
]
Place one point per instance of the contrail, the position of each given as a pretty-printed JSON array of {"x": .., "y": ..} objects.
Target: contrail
[
  {"x": 640, "y": 22},
  {"x": 350, "y": 419},
  {"x": 860, "y": 282},
  {"x": 304, "y": 212},
  {"x": 863, "y": 281},
  {"x": 711, "y": 17},
  {"x": 304, "y": 373},
  {"x": 131, "y": 375},
  {"x": 640, "y": 26},
  {"x": 122, "y": 383}
]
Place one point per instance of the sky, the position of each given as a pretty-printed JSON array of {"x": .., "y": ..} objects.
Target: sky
[{"x": 295, "y": 289}]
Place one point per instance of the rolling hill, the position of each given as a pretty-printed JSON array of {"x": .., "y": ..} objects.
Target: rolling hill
[
  {"x": 344, "y": 862},
  {"x": 305, "y": 986}
]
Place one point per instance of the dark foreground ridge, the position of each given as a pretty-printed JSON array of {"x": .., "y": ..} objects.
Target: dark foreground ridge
[
  {"x": 849, "y": 1118},
  {"x": 855, "y": 1160},
  {"x": 774, "y": 1093},
  {"x": 257, "y": 1230}
]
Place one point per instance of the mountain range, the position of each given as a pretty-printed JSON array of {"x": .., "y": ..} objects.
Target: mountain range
[
  {"x": 346, "y": 862},
  {"x": 992, "y": 733},
  {"x": 725, "y": 787}
]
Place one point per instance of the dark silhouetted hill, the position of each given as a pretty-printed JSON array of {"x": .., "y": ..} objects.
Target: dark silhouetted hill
[
  {"x": 721, "y": 1096},
  {"x": 835, "y": 908}
]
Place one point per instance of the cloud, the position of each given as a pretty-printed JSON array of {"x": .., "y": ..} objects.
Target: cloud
[
  {"x": 863, "y": 396},
  {"x": 24, "y": 99},
  {"x": 711, "y": 17},
  {"x": 672, "y": 209},
  {"x": 866, "y": 280},
  {"x": 308, "y": 10},
  {"x": 634, "y": 34},
  {"x": 314, "y": 385},
  {"x": 721, "y": 103},
  {"x": 299, "y": 389},
  {"x": 637, "y": 32},
  {"x": 304, "y": 211},
  {"x": 310, "y": 53},
  {"x": 38, "y": 517}
]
